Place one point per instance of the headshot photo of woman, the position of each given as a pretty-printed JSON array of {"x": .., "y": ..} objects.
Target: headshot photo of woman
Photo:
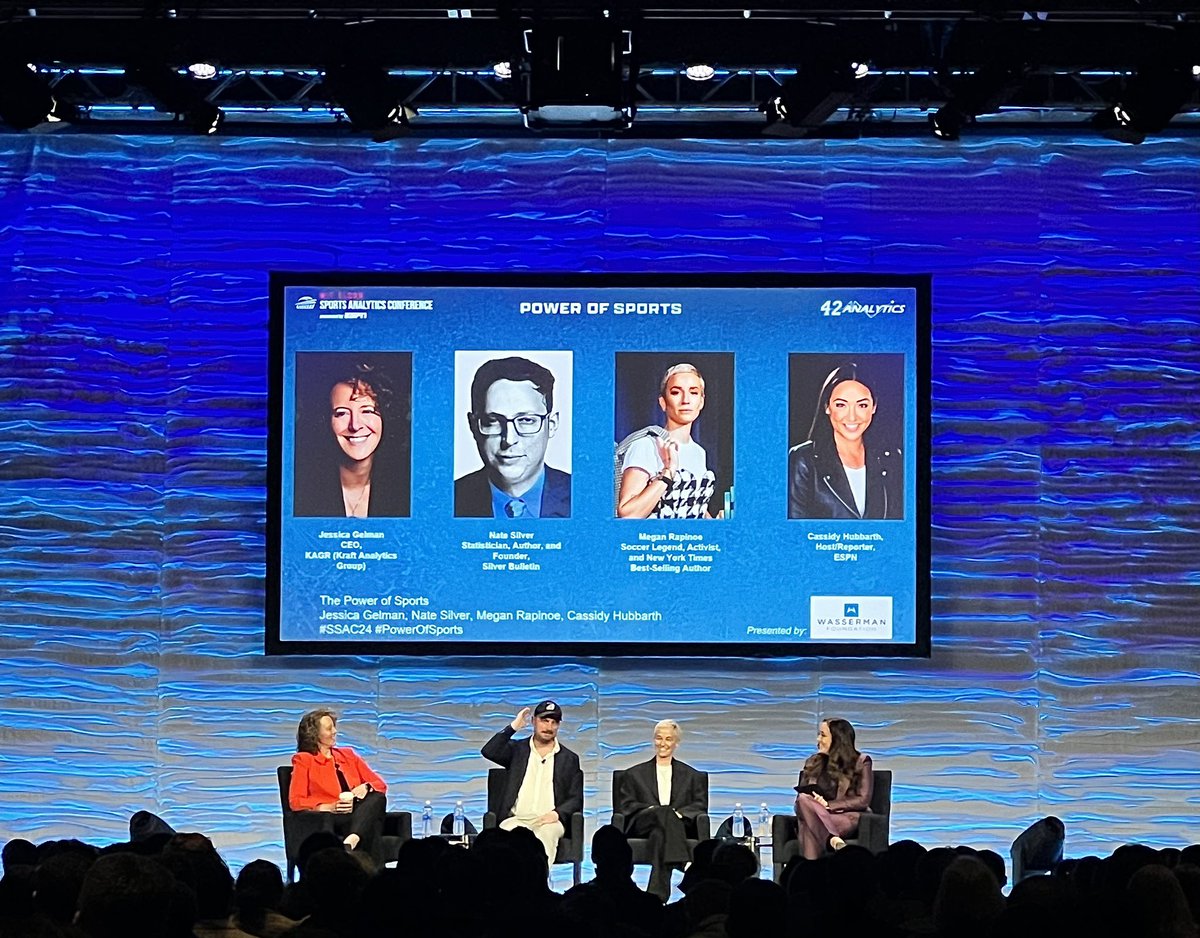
[
  {"x": 849, "y": 465},
  {"x": 353, "y": 439},
  {"x": 664, "y": 470}
]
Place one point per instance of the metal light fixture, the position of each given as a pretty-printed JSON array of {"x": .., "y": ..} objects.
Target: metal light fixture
[
  {"x": 581, "y": 72},
  {"x": 981, "y": 92},
  {"x": 26, "y": 99},
  {"x": 820, "y": 87},
  {"x": 179, "y": 94},
  {"x": 369, "y": 100},
  {"x": 1151, "y": 98}
]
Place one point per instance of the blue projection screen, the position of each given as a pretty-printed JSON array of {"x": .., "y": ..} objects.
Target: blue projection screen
[{"x": 587, "y": 464}]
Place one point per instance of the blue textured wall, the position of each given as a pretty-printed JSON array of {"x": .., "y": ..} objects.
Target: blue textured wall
[{"x": 1066, "y": 516}]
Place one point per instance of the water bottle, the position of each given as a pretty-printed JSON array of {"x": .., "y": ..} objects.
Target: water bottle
[
  {"x": 764, "y": 821},
  {"x": 460, "y": 821},
  {"x": 427, "y": 820},
  {"x": 739, "y": 826}
]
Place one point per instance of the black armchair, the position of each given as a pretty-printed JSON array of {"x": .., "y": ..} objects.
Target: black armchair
[
  {"x": 300, "y": 825},
  {"x": 570, "y": 846},
  {"x": 640, "y": 845},
  {"x": 873, "y": 827}
]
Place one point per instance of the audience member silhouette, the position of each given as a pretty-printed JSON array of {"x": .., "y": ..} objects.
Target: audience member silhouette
[
  {"x": 125, "y": 895},
  {"x": 698, "y": 870},
  {"x": 334, "y": 881},
  {"x": 757, "y": 907},
  {"x": 612, "y": 901},
  {"x": 1188, "y": 875},
  {"x": 297, "y": 902},
  {"x": 193, "y": 860},
  {"x": 18, "y": 852},
  {"x": 57, "y": 882},
  {"x": 257, "y": 896},
  {"x": 1038, "y": 907},
  {"x": 708, "y": 909},
  {"x": 1156, "y": 905},
  {"x": 727, "y": 864},
  {"x": 732, "y": 863},
  {"x": 968, "y": 899}
]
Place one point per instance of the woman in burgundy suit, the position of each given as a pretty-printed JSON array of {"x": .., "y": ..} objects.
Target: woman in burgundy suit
[{"x": 834, "y": 790}]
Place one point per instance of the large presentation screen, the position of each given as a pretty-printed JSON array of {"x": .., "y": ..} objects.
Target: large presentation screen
[{"x": 576, "y": 465}]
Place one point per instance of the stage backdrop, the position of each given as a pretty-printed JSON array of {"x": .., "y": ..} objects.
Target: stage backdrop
[{"x": 1066, "y": 380}]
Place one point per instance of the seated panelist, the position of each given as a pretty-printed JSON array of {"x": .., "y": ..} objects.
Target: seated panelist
[
  {"x": 328, "y": 777},
  {"x": 660, "y": 800},
  {"x": 834, "y": 790},
  {"x": 543, "y": 784}
]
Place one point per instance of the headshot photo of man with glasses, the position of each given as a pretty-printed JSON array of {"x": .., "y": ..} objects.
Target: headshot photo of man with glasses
[{"x": 514, "y": 421}]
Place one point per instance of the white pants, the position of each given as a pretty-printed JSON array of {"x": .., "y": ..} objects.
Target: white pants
[{"x": 548, "y": 834}]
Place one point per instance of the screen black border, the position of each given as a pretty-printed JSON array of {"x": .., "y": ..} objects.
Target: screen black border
[{"x": 920, "y": 283}]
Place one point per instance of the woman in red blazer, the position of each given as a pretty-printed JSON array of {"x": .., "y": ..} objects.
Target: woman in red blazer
[{"x": 326, "y": 777}]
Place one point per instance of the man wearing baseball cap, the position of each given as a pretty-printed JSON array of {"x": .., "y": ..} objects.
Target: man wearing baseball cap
[{"x": 543, "y": 784}]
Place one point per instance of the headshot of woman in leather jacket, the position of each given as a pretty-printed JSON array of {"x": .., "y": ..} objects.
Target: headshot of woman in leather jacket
[{"x": 837, "y": 473}]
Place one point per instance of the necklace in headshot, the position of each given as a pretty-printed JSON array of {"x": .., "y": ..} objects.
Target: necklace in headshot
[{"x": 352, "y": 509}]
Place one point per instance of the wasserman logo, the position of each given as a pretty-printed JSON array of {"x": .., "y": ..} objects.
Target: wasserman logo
[{"x": 851, "y": 617}]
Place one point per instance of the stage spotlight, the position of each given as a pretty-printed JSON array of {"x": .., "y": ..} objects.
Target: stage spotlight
[
  {"x": 979, "y": 93},
  {"x": 178, "y": 94},
  {"x": 810, "y": 98},
  {"x": 503, "y": 70},
  {"x": 1150, "y": 100},
  {"x": 370, "y": 101},
  {"x": 26, "y": 99},
  {"x": 700, "y": 72},
  {"x": 581, "y": 72},
  {"x": 204, "y": 71}
]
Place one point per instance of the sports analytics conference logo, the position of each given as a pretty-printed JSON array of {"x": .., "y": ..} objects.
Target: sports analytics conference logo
[
  {"x": 855, "y": 308},
  {"x": 851, "y": 617},
  {"x": 354, "y": 304}
]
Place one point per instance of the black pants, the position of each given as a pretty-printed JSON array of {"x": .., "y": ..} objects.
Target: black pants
[
  {"x": 667, "y": 833},
  {"x": 366, "y": 820}
]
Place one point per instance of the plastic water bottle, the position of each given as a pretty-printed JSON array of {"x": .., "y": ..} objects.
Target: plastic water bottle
[
  {"x": 739, "y": 824},
  {"x": 764, "y": 821},
  {"x": 427, "y": 820},
  {"x": 460, "y": 821}
]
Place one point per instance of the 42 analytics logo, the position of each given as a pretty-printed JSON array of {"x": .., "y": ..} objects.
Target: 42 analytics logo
[{"x": 870, "y": 310}]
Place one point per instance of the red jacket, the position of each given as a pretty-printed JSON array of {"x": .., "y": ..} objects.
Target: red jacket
[{"x": 315, "y": 781}]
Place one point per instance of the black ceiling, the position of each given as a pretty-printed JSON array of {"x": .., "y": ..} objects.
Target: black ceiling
[{"x": 1075, "y": 56}]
